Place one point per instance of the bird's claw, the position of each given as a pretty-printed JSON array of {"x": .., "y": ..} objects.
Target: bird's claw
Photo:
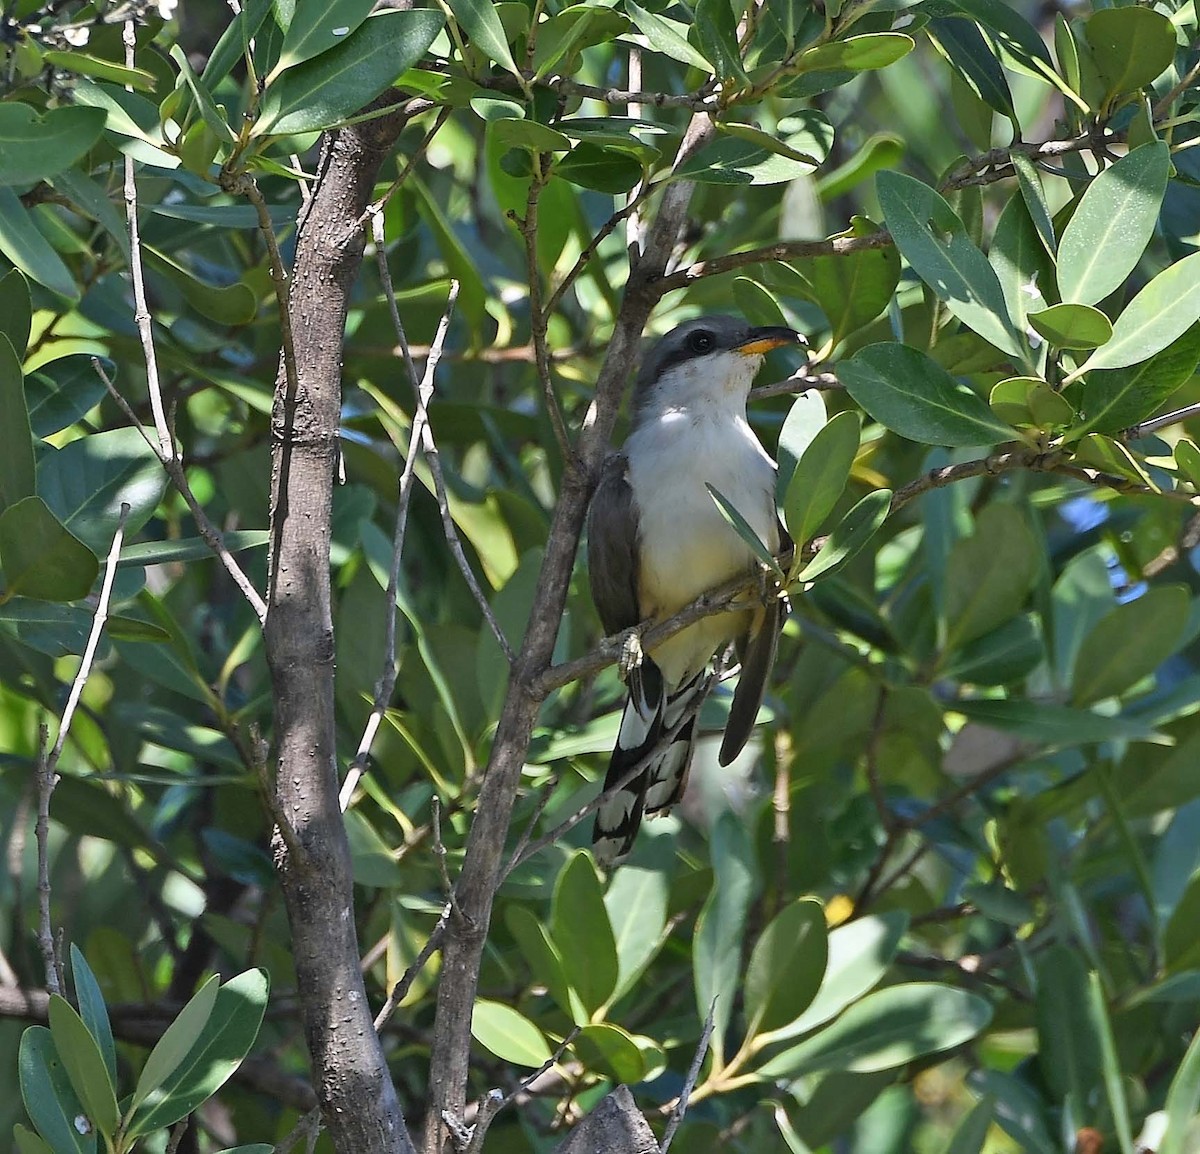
[{"x": 631, "y": 655}]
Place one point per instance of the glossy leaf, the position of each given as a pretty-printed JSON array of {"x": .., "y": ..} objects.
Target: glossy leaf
[
  {"x": 1114, "y": 1087},
  {"x": 16, "y": 312},
  {"x": 1071, "y": 326},
  {"x": 636, "y": 902},
  {"x": 1130, "y": 46},
  {"x": 479, "y": 20},
  {"x": 29, "y": 251},
  {"x": 857, "y": 53},
  {"x": 319, "y": 93},
  {"x": 189, "y": 548},
  {"x": 84, "y": 1065},
  {"x": 17, "y": 467},
  {"x": 1020, "y": 261},
  {"x": 1130, "y": 642},
  {"x": 786, "y": 967},
  {"x": 666, "y": 36},
  {"x": 743, "y": 529},
  {"x": 49, "y": 1097},
  {"x": 907, "y": 392},
  {"x": 92, "y": 1009},
  {"x": 611, "y": 1052},
  {"x": 820, "y": 476},
  {"x": 961, "y": 42},
  {"x": 177, "y": 1040},
  {"x": 34, "y": 147},
  {"x": 84, "y": 484},
  {"x": 849, "y": 536},
  {"x": 218, "y": 1051},
  {"x": 886, "y": 1029},
  {"x": 1161, "y": 313},
  {"x": 716, "y": 31},
  {"x": 317, "y": 26},
  {"x": 64, "y": 391},
  {"x": 935, "y": 242},
  {"x": 508, "y": 1034},
  {"x": 580, "y": 927},
  {"x": 739, "y": 154},
  {"x": 1110, "y": 229}
]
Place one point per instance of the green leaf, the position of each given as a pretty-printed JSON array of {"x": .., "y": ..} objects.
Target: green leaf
[
  {"x": 1114, "y": 1087},
  {"x": 1183, "y": 1100},
  {"x": 636, "y": 901},
  {"x": 1070, "y": 326},
  {"x": 49, "y": 1097},
  {"x": 716, "y": 30},
  {"x": 1068, "y": 1045},
  {"x": 611, "y": 1052},
  {"x": 177, "y": 1040},
  {"x": 882, "y": 150},
  {"x": 666, "y": 36},
  {"x": 989, "y": 575},
  {"x": 34, "y": 147},
  {"x": 85, "y": 482},
  {"x": 972, "y": 1131},
  {"x": 40, "y": 557},
  {"x": 964, "y": 46},
  {"x": 1110, "y": 400},
  {"x": 316, "y": 27},
  {"x": 1131, "y": 47},
  {"x": 189, "y": 548},
  {"x": 888, "y": 1028},
  {"x": 909, "y": 393},
  {"x": 805, "y": 419},
  {"x": 857, "y": 53},
  {"x": 17, "y": 466},
  {"x": 234, "y": 42},
  {"x": 84, "y": 1065},
  {"x": 1000, "y": 657},
  {"x": 581, "y": 931},
  {"x": 716, "y": 953},
  {"x": 480, "y": 21},
  {"x": 93, "y": 1011},
  {"x": 84, "y": 64},
  {"x": 64, "y": 391},
  {"x": 741, "y": 154},
  {"x": 211, "y": 115},
  {"x": 1019, "y": 258},
  {"x": 29, "y": 251},
  {"x": 1161, "y": 313},
  {"x": 319, "y": 93},
  {"x": 16, "y": 313},
  {"x": 1034, "y": 196},
  {"x": 225, "y": 1040},
  {"x": 1053, "y": 725},
  {"x": 786, "y": 967},
  {"x": 852, "y": 289},
  {"x": 28, "y": 1142},
  {"x": 741, "y": 526},
  {"x": 849, "y": 536},
  {"x": 1105, "y": 238},
  {"x": 935, "y": 242},
  {"x": 508, "y": 1034},
  {"x": 233, "y": 304},
  {"x": 545, "y": 960},
  {"x": 1187, "y": 459},
  {"x": 562, "y": 38},
  {"x": 1130, "y": 643},
  {"x": 820, "y": 476},
  {"x": 602, "y": 169}
]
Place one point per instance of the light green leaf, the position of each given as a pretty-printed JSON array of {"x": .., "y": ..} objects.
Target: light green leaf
[
  {"x": 1021, "y": 263},
  {"x": 935, "y": 242},
  {"x": 666, "y": 36},
  {"x": 1114, "y": 1085},
  {"x": 887, "y": 1029},
  {"x": 318, "y": 93},
  {"x": 84, "y": 1065},
  {"x": 910, "y": 394},
  {"x": 972, "y": 1131},
  {"x": 1131, "y": 46},
  {"x": 84, "y": 64},
  {"x": 611, "y": 1052},
  {"x": 25, "y": 246},
  {"x": 1183, "y": 1100},
  {"x": 1034, "y": 196},
  {"x": 716, "y": 29},
  {"x": 544, "y": 958},
  {"x": 786, "y": 967},
  {"x": 882, "y": 150},
  {"x": 805, "y": 419},
  {"x": 1072, "y": 326},
  {"x": 742, "y": 528},
  {"x": 177, "y": 1040},
  {"x": 636, "y": 901},
  {"x": 40, "y": 557},
  {"x": 1130, "y": 643},
  {"x": 820, "y": 476},
  {"x": 316, "y": 26},
  {"x": 50, "y": 1099},
  {"x": 27, "y": 1142},
  {"x": 849, "y": 536},
  {"x": 857, "y": 53},
  {"x": 34, "y": 147},
  {"x": 581, "y": 931},
  {"x": 1161, "y": 313},
  {"x": 1105, "y": 238},
  {"x": 508, "y": 1034},
  {"x": 480, "y": 21},
  {"x": 212, "y": 116},
  {"x": 598, "y": 168}
]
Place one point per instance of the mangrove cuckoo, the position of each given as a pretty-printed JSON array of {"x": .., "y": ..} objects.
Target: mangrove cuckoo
[{"x": 656, "y": 541}]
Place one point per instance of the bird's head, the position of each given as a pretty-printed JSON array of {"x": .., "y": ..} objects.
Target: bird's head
[{"x": 710, "y": 358}]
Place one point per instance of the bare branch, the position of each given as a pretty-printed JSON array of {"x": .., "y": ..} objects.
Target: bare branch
[
  {"x": 689, "y": 1083},
  {"x": 1161, "y": 422},
  {"x": 401, "y": 988},
  {"x": 799, "y": 382}
]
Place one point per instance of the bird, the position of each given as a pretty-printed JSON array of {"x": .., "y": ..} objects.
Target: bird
[{"x": 656, "y": 541}]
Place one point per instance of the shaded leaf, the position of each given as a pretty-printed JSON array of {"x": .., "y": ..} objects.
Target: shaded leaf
[
  {"x": 29, "y": 251},
  {"x": 742, "y": 527},
  {"x": 610, "y": 1052},
  {"x": 177, "y": 1040},
  {"x": 92, "y": 1010},
  {"x": 581, "y": 931},
  {"x": 480, "y": 21},
  {"x": 17, "y": 466},
  {"x": 1130, "y": 46},
  {"x": 64, "y": 391},
  {"x": 50, "y": 1099},
  {"x": 820, "y": 476},
  {"x": 16, "y": 312},
  {"x": 666, "y": 36},
  {"x": 40, "y": 557},
  {"x": 84, "y": 1065},
  {"x": 1072, "y": 326},
  {"x": 34, "y": 147},
  {"x": 786, "y": 967}
]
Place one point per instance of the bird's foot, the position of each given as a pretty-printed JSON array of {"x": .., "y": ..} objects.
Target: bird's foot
[{"x": 631, "y": 655}]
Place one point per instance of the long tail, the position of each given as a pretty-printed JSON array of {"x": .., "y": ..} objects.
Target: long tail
[{"x": 650, "y": 712}]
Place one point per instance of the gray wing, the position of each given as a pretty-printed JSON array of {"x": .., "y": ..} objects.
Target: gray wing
[{"x": 613, "y": 547}]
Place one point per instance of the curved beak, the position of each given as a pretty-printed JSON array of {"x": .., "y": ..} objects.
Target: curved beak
[{"x": 767, "y": 337}]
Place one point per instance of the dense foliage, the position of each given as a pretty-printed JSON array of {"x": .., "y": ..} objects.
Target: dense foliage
[{"x": 948, "y": 902}]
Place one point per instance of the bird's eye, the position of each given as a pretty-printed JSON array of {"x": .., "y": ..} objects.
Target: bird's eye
[{"x": 701, "y": 341}]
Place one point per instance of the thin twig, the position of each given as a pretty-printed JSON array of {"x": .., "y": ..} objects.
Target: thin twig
[
  {"x": 689, "y": 1083},
  {"x": 177, "y": 1133},
  {"x": 401, "y": 988},
  {"x": 439, "y": 854},
  {"x": 374, "y": 210},
  {"x": 1161, "y": 422},
  {"x": 46, "y": 782},
  {"x": 308, "y": 1125},
  {"x": 798, "y": 382}
]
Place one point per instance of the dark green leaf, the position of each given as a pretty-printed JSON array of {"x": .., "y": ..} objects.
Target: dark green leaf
[
  {"x": 1021, "y": 263},
  {"x": 317, "y": 94},
  {"x": 316, "y": 26},
  {"x": 50, "y": 1099},
  {"x": 1130, "y": 642},
  {"x": 17, "y": 467},
  {"x": 1053, "y": 725},
  {"x": 64, "y": 391},
  {"x": 581, "y": 931},
  {"x": 234, "y": 42},
  {"x": 1114, "y": 1085},
  {"x": 545, "y": 960},
  {"x": 602, "y": 169},
  {"x": 742, "y": 528},
  {"x": 28, "y": 1142},
  {"x": 480, "y": 21},
  {"x": 189, "y": 548},
  {"x": 1109, "y": 231},
  {"x": 786, "y": 967},
  {"x": 92, "y": 1009},
  {"x": 40, "y": 557},
  {"x": 1000, "y": 657},
  {"x": 508, "y": 1034},
  {"x": 84, "y": 1065},
  {"x": 34, "y": 147},
  {"x": 739, "y": 154},
  {"x": 849, "y": 536},
  {"x": 233, "y": 304},
  {"x": 1070, "y": 326},
  {"x": 972, "y": 1131},
  {"x": 224, "y": 1042},
  {"x": 910, "y": 394},
  {"x": 935, "y": 242},
  {"x": 16, "y": 311},
  {"x": 1068, "y": 1045},
  {"x": 971, "y": 56},
  {"x": 888, "y": 1028},
  {"x": 666, "y": 36},
  {"x": 85, "y": 482},
  {"x": 717, "y": 32},
  {"x": 210, "y": 114},
  {"x": 1130, "y": 46},
  {"x": 820, "y": 476},
  {"x": 29, "y": 251},
  {"x": 1034, "y": 196}
]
